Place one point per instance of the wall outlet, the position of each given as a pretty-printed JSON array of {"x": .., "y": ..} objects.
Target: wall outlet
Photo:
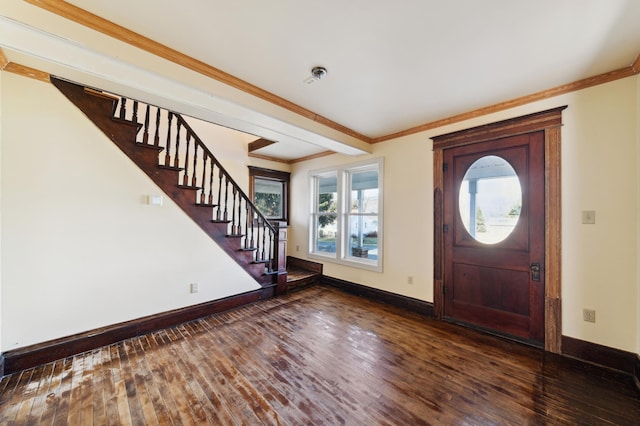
[
  {"x": 588, "y": 217},
  {"x": 297, "y": 248},
  {"x": 410, "y": 280},
  {"x": 589, "y": 315},
  {"x": 193, "y": 287}
]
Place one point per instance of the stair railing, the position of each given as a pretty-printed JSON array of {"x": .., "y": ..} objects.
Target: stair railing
[{"x": 182, "y": 149}]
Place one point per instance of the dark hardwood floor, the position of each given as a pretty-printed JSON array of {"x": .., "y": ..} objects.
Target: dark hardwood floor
[{"x": 317, "y": 356}]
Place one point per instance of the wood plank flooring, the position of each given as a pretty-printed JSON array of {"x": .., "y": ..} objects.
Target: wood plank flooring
[{"x": 318, "y": 357}]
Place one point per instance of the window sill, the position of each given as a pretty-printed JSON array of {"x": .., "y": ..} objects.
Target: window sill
[{"x": 352, "y": 262}]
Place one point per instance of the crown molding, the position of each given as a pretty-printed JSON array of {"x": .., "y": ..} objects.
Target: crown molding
[
  {"x": 636, "y": 65},
  {"x": 3, "y": 60},
  {"x": 25, "y": 71},
  {"x": 545, "y": 94},
  {"x": 293, "y": 161},
  {"x": 312, "y": 157},
  {"x": 268, "y": 158}
]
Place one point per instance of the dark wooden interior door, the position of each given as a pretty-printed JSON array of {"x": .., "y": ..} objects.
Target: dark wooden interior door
[{"x": 496, "y": 285}]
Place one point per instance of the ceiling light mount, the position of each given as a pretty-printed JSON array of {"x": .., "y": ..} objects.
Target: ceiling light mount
[{"x": 319, "y": 72}]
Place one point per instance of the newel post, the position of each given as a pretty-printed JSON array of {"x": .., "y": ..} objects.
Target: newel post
[{"x": 280, "y": 256}]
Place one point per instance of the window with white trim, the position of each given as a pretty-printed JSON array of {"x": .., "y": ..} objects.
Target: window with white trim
[{"x": 346, "y": 214}]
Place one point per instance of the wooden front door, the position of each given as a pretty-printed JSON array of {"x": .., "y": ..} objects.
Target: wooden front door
[{"x": 494, "y": 230}]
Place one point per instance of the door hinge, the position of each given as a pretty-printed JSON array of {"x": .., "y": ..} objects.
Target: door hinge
[
  {"x": 445, "y": 228},
  {"x": 445, "y": 289},
  {"x": 445, "y": 167}
]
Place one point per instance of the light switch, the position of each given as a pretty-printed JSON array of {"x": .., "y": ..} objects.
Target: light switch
[
  {"x": 589, "y": 217},
  {"x": 154, "y": 200}
]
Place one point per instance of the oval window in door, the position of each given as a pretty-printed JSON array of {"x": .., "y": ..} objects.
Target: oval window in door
[{"x": 490, "y": 199}]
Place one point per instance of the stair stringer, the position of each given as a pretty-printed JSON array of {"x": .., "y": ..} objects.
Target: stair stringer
[{"x": 99, "y": 109}]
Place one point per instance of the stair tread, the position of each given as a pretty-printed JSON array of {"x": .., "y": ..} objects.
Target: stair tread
[
  {"x": 234, "y": 235},
  {"x": 149, "y": 146},
  {"x": 195, "y": 188},
  {"x": 125, "y": 121},
  {"x": 177, "y": 169},
  {"x": 206, "y": 205},
  {"x": 249, "y": 249},
  {"x": 295, "y": 273},
  {"x": 220, "y": 221},
  {"x": 261, "y": 261}
]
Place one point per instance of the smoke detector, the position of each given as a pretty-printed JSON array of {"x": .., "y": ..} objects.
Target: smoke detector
[{"x": 317, "y": 73}]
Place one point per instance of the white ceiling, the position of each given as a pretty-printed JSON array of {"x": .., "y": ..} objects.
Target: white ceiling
[{"x": 392, "y": 65}]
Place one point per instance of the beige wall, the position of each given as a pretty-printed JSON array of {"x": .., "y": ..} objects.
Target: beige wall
[
  {"x": 600, "y": 172},
  {"x": 80, "y": 247}
]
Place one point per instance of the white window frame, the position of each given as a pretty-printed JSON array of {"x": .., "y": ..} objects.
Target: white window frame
[{"x": 342, "y": 255}]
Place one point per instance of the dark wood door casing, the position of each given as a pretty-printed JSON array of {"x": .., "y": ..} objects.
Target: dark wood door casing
[{"x": 549, "y": 122}]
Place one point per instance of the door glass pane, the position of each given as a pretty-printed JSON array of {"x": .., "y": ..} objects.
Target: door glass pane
[{"x": 490, "y": 199}]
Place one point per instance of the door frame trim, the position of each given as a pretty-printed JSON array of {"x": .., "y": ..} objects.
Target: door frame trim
[{"x": 550, "y": 122}]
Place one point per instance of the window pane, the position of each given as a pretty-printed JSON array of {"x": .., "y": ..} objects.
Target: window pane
[
  {"x": 326, "y": 227},
  {"x": 363, "y": 241},
  {"x": 364, "y": 192},
  {"x": 268, "y": 197},
  {"x": 364, "y": 201},
  {"x": 327, "y": 194}
]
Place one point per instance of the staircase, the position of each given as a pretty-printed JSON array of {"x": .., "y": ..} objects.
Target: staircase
[{"x": 163, "y": 145}]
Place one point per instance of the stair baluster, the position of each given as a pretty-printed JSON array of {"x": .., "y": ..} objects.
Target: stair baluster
[
  {"x": 239, "y": 230},
  {"x": 156, "y": 138},
  {"x": 225, "y": 216},
  {"x": 176, "y": 159},
  {"x": 220, "y": 175},
  {"x": 145, "y": 135},
  {"x": 194, "y": 181},
  {"x": 203, "y": 190},
  {"x": 264, "y": 240},
  {"x": 185, "y": 177},
  {"x": 246, "y": 225},
  {"x": 134, "y": 118},
  {"x": 252, "y": 243},
  {"x": 167, "y": 154},
  {"x": 123, "y": 110},
  {"x": 233, "y": 211}
]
